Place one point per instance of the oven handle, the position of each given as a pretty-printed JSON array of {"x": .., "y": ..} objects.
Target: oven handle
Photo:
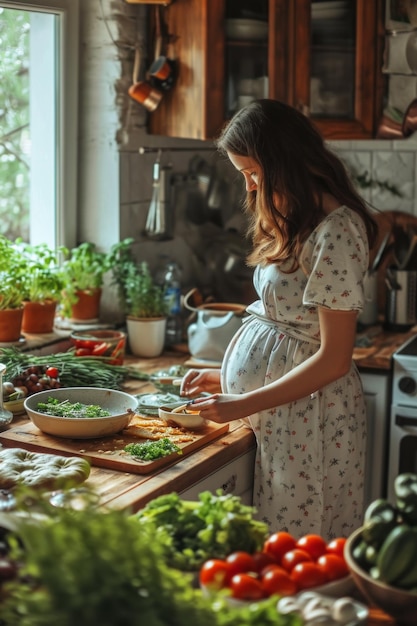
[{"x": 402, "y": 420}]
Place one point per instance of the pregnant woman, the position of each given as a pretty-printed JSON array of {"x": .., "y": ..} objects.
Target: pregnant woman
[{"x": 289, "y": 368}]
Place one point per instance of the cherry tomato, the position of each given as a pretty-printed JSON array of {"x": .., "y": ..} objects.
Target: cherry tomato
[
  {"x": 333, "y": 566},
  {"x": 278, "y": 544},
  {"x": 292, "y": 557},
  {"x": 336, "y": 546},
  {"x": 315, "y": 545},
  {"x": 277, "y": 581},
  {"x": 240, "y": 562},
  {"x": 52, "y": 372},
  {"x": 246, "y": 587},
  {"x": 100, "y": 349},
  {"x": 307, "y": 575},
  {"x": 262, "y": 560},
  {"x": 214, "y": 574}
]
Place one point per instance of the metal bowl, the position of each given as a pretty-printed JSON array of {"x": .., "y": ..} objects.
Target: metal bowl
[{"x": 121, "y": 406}]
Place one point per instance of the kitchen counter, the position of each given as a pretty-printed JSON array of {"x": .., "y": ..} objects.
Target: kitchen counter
[
  {"x": 124, "y": 490},
  {"x": 375, "y": 347}
]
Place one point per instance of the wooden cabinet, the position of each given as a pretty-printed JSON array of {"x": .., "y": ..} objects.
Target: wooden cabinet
[
  {"x": 323, "y": 57},
  {"x": 235, "y": 477}
]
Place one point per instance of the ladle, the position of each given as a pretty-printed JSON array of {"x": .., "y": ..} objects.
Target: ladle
[{"x": 5, "y": 415}]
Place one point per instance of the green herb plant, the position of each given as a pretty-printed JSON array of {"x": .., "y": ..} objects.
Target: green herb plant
[
  {"x": 139, "y": 295},
  {"x": 13, "y": 275},
  {"x": 82, "y": 269},
  {"x": 43, "y": 271}
]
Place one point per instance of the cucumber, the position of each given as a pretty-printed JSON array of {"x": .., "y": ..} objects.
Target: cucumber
[
  {"x": 378, "y": 507},
  {"x": 398, "y": 554},
  {"x": 379, "y": 525}
]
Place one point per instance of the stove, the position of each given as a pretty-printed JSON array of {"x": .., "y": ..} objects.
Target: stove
[{"x": 402, "y": 452}]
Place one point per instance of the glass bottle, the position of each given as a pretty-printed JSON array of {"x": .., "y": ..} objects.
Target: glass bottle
[{"x": 172, "y": 287}]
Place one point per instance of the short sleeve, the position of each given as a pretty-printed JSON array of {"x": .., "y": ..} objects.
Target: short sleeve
[{"x": 335, "y": 259}]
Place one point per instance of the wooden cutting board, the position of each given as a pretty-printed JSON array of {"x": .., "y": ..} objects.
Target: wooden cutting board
[{"x": 108, "y": 451}]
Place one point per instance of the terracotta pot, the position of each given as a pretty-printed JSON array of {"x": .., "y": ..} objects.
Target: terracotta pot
[
  {"x": 88, "y": 305},
  {"x": 10, "y": 325},
  {"x": 38, "y": 317}
]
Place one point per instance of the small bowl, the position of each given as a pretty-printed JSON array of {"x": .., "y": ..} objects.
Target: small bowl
[
  {"x": 15, "y": 406},
  {"x": 121, "y": 406},
  {"x": 398, "y": 603},
  {"x": 190, "y": 420},
  {"x": 109, "y": 345}
]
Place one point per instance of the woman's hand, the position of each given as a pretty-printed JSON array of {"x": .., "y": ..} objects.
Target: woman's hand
[
  {"x": 222, "y": 408},
  {"x": 197, "y": 381}
]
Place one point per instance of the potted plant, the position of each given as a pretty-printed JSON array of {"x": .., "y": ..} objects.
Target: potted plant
[
  {"x": 141, "y": 299},
  {"x": 13, "y": 278},
  {"x": 43, "y": 286},
  {"x": 82, "y": 272}
]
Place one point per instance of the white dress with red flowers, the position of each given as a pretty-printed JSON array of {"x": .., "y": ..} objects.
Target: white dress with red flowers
[{"x": 309, "y": 469}]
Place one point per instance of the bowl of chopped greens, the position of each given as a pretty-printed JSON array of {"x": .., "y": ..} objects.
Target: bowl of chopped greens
[{"x": 81, "y": 412}]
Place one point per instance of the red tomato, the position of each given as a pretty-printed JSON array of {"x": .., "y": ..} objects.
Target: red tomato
[
  {"x": 88, "y": 344},
  {"x": 100, "y": 349},
  {"x": 336, "y": 546},
  {"x": 315, "y": 545},
  {"x": 262, "y": 560},
  {"x": 240, "y": 562},
  {"x": 277, "y": 581},
  {"x": 278, "y": 544},
  {"x": 307, "y": 575},
  {"x": 214, "y": 574},
  {"x": 246, "y": 587},
  {"x": 52, "y": 372},
  {"x": 333, "y": 566},
  {"x": 83, "y": 352},
  {"x": 292, "y": 557}
]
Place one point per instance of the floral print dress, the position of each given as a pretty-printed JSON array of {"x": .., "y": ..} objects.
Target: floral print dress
[{"x": 309, "y": 468}]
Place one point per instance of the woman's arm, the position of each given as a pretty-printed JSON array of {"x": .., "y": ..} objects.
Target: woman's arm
[{"x": 330, "y": 362}]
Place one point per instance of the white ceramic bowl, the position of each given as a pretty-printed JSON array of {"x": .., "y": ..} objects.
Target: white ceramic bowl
[
  {"x": 121, "y": 406},
  {"x": 191, "y": 420},
  {"x": 252, "y": 30}
]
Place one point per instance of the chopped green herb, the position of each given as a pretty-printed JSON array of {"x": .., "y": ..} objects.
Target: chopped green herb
[
  {"x": 151, "y": 450},
  {"x": 65, "y": 408}
]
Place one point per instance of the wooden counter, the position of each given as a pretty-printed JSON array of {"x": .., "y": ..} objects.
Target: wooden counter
[
  {"x": 124, "y": 490},
  {"x": 375, "y": 347}
]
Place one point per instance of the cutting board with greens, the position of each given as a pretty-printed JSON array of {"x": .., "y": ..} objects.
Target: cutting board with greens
[{"x": 109, "y": 452}]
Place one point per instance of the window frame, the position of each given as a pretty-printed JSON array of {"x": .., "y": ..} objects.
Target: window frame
[{"x": 64, "y": 221}]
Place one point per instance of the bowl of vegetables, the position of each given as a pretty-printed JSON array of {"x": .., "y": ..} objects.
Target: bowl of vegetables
[
  {"x": 81, "y": 412},
  {"x": 382, "y": 553}
]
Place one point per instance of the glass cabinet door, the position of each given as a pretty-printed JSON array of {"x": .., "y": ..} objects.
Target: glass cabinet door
[
  {"x": 246, "y": 50},
  {"x": 333, "y": 55}
]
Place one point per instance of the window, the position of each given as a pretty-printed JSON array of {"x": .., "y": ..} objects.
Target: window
[{"x": 38, "y": 120}]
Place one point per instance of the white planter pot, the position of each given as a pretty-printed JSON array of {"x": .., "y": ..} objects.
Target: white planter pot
[{"x": 146, "y": 336}]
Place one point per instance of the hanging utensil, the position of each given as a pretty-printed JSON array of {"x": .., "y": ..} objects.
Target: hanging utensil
[
  {"x": 159, "y": 222},
  {"x": 380, "y": 254}
]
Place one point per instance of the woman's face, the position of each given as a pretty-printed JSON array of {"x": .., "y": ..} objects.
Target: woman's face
[{"x": 249, "y": 168}]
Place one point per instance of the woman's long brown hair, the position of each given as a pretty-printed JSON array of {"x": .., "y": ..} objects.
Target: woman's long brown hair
[{"x": 297, "y": 168}]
